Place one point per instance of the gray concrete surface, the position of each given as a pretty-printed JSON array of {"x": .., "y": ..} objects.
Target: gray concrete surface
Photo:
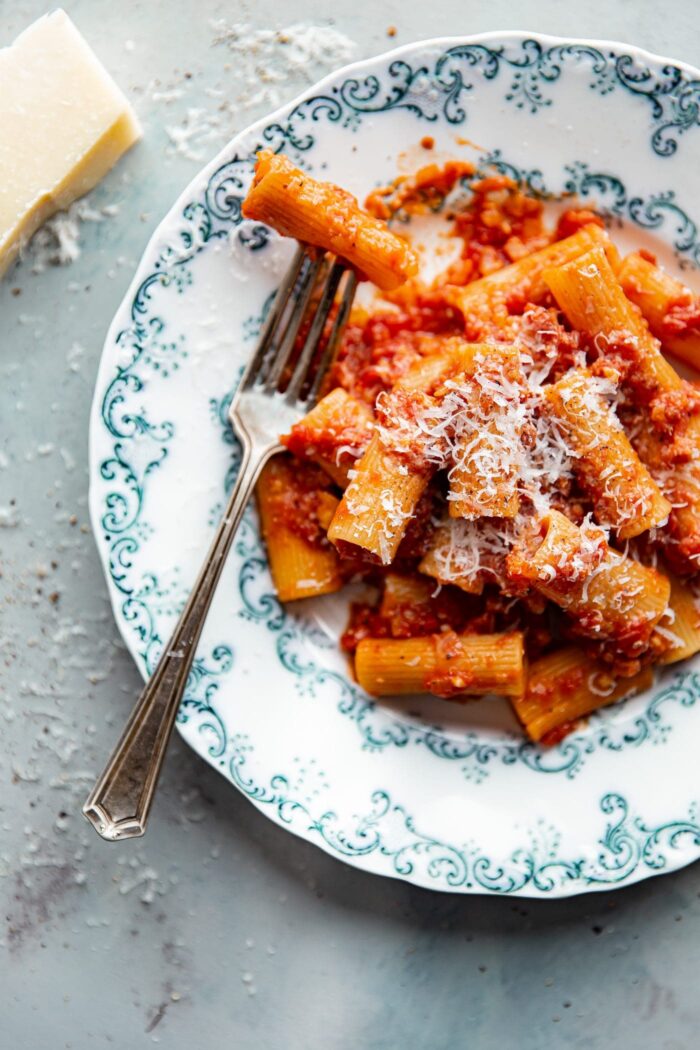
[{"x": 220, "y": 930}]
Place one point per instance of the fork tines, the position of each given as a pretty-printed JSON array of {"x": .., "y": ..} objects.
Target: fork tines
[{"x": 303, "y": 327}]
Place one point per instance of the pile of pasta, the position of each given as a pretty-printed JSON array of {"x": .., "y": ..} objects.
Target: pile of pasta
[{"x": 503, "y": 454}]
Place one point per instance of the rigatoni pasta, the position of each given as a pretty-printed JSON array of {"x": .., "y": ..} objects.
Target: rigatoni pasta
[
  {"x": 606, "y": 594},
  {"x": 669, "y": 307},
  {"x": 483, "y": 476},
  {"x": 302, "y": 562},
  {"x": 510, "y": 461},
  {"x": 566, "y": 685},
  {"x": 322, "y": 214},
  {"x": 523, "y": 281},
  {"x": 379, "y": 502},
  {"x": 589, "y": 293},
  {"x": 680, "y": 625},
  {"x": 432, "y": 418},
  {"x": 447, "y": 665},
  {"x": 624, "y": 494},
  {"x": 333, "y": 434},
  {"x": 468, "y": 554}
]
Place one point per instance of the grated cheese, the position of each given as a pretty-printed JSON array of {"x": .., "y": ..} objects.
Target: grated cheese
[
  {"x": 267, "y": 57},
  {"x": 601, "y": 690},
  {"x": 57, "y": 243},
  {"x": 487, "y": 423},
  {"x": 468, "y": 551},
  {"x": 270, "y": 65}
]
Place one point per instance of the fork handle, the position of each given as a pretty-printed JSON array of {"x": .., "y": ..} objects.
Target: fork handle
[{"x": 119, "y": 804}]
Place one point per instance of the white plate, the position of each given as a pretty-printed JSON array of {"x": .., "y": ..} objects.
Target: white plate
[{"x": 451, "y": 801}]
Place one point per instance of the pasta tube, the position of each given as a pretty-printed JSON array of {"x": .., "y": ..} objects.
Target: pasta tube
[
  {"x": 468, "y": 554},
  {"x": 326, "y": 506},
  {"x": 592, "y": 298},
  {"x": 681, "y": 623},
  {"x": 379, "y": 502},
  {"x": 302, "y": 565},
  {"x": 446, "y": 563},
  {"x": 323, "y": 215},
  {"x": 669, "y": 307},
  {"x": 606, "y": 594},
  {"x": 485, "y": 463},
  {"x": 474, "y": 418},
  {"x": 565, "y": 685},
  {"x": 412, "y": 605},
  {"x": 402, "y": 590},
  {"x": 624, "y": 494},
  {"x": 333, "y": 434},
  {"x": 445, "y": 665},
  {"x": 523, "y": 281},
  {"x": 447, "y": 359},
  {"x": 393, "y": 473}
]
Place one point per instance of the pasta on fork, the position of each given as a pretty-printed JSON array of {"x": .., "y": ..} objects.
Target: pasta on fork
[
  {"x": 504, "y": 455},
  {"x": 324, "y": 215}
]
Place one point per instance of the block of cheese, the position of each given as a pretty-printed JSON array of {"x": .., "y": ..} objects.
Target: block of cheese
[{"x": 63, "y": 124}]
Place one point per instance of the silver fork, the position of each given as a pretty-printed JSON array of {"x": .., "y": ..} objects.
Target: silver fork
[{"x": 265, "y": 405}]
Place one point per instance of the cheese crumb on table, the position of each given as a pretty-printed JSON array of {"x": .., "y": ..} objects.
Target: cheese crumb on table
[{"x": 63, "y": 124}]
